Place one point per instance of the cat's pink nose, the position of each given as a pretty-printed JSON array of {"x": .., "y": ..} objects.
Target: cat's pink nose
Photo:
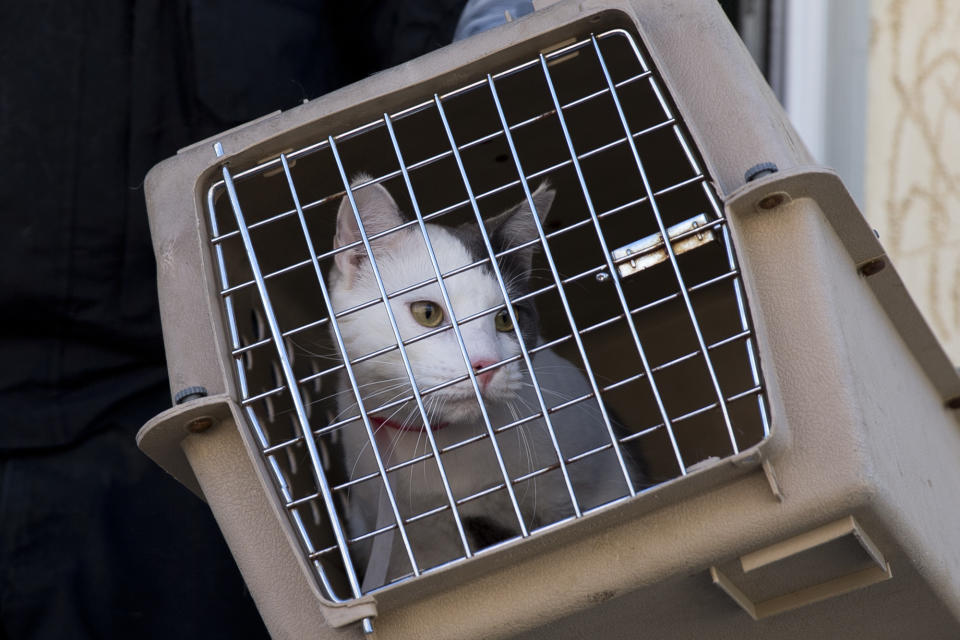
[{"x": 483, "y": 379}]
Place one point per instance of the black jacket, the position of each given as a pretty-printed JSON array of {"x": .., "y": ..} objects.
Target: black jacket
[{"x": 92, "y": 94}]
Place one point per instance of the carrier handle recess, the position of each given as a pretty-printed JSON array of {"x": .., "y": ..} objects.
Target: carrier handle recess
[{"x": 793, "y": 547}]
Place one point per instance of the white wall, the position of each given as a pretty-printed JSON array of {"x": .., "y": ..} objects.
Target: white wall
[
  {"x": 826, "y": 82},
  {"x": 913, "y": 152},
  {"x": 873, "y": 87}
]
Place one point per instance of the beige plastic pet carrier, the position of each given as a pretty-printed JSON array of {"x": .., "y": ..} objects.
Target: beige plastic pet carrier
[{"x": 777, "y": 420}]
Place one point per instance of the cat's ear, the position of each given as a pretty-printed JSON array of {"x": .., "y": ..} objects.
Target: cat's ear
[
  {"x": 378, "y": 211},
  {"x": 516, "y": 225}
]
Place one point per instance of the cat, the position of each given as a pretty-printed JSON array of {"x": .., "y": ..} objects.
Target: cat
[{"x": 453, "y": 412}]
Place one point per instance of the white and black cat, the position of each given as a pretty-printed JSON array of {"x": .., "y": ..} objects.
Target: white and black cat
[{"x": 453, "y": 412}]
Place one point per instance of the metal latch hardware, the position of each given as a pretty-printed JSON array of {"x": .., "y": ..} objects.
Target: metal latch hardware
[{"x": 646, "y": 252}]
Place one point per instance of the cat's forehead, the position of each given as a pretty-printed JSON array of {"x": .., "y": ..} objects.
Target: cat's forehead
[
  {"x": 469, "y": 239},
  {"x": 456, "y": 246},
  {"x": 453, "y": 249}
]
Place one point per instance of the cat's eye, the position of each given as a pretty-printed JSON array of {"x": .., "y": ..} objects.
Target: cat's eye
[
  {"x": 426, "y": 313},
  {"x": 502, "y": 321}
]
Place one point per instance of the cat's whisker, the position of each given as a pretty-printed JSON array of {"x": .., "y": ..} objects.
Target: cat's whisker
[
  {"x": 431, "y": 401},
  {"x": 443, "y": 405},
  {"x": 337, "y": 394},
  {"x": 509, "y": 283},
  {"x": 328, "y": 354},
  {"x": 522, "y": 429},
  {"x": 353, "y": 405},
  {"x": 368, "y": 442},
  {"x": 356, "y": 462},
  {"x": 395, "y": 439},
  {"x": 530, "y": 411},
  {"x": 529, "y": 451},
  {"x": 584, "y": 405},
  {"x": 532, "y": 458},
  {"x": 511, "y": 407}
]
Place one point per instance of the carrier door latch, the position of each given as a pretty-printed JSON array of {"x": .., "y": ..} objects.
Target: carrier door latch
[{"x": 646, "y": 252}]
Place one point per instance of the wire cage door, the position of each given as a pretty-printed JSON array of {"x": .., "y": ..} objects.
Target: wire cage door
[{"x": 627, "y": 330}]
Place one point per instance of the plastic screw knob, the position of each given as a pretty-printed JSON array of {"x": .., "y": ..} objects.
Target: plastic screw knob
[
  {"x": 759, "y": 170},
  {"x": 190, "y": 393}
]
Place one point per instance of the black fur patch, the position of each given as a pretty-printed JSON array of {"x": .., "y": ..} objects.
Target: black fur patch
[
  {"x": 632, "y": 452},
  {"x": 484, "y": 532},
  {"x": 513, "y": 268}
]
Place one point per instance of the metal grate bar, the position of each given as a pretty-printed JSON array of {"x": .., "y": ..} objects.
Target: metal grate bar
[
  {"x": 520, "y": 479},
  {"x": 546, "y": 288},
  {"x": 265, "y": 374},
  {"x": 430, "y": 390},
  {"x": 615, "y": 278},
  {"x": 542, "y": 347},
  {"x": 550, "y": 287},
  {"x": 744, "y": 322},
  {"x": 403, "y": 354},
  {"x": 349, "y": 369},
  {"x": 513, "y": 319},
  {"x": 269, "y": 450},
  {"x": 569, "y": 460},
  {"x": 509, "y": 305},
  {"x": 527, "y": 476},
  {"x": 663, "y": 230},
  {"x": 226, "y": 291},
  {"x": 453, "y": 207},
  {"x": 231, "y": 319},
  {"x": 319, "y": 474},
  {"x": 244, "y": 391},
  {"x": 302, "y": 531},
  {"x": 506, "y": 297},
  {"x": 548, "y": 254},
  {"x": 273, "y": 164}
]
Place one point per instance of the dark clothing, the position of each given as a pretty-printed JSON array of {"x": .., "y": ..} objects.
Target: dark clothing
[
  {"x": 95, "y": 541},
  {"x": 93, "y": 94}
]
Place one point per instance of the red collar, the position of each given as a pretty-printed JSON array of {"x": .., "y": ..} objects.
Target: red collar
[{"x": 383, "y": 422}]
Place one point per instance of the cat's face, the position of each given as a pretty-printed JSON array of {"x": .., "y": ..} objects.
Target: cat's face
[{"x": 403, "y": 260}]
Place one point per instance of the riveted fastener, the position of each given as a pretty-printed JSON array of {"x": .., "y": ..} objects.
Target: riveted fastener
[
  {"x": 199, "y": 425},
  {"x": 772, "y": 201},
  {"x": 872, "y": 266}
]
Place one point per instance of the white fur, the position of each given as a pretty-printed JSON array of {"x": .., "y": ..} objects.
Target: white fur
[
  {"x": 403, "y": 260},
  {"x": 436, "y": 359}
]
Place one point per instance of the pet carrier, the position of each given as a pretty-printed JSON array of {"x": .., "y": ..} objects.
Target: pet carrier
[{"x": 727, "y": 417}]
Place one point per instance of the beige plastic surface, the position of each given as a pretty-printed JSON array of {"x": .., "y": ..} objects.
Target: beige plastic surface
[
  {"x": 812, "y": 548},
  {"x": 856, "y": 382}
]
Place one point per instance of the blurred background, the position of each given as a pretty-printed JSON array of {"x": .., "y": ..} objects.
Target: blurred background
[{"x": 873, "y": 87}]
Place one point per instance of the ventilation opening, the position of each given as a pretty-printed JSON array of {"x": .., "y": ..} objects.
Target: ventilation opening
[{"x": 643, "y": 360}]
